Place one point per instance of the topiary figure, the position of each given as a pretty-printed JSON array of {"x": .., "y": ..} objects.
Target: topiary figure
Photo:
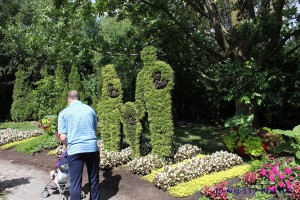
[
  {"x": 132, "y": 127},
  {"x": 154, "y": 86},
  {"x": 109, "y": 109}
]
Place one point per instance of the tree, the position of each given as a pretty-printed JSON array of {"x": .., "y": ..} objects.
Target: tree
[
  {"x": 231, "y": 43},
  {"x": 20, "y": 109}
]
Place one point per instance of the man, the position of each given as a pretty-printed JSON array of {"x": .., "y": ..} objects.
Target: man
[{"x": 77, "y": 127}]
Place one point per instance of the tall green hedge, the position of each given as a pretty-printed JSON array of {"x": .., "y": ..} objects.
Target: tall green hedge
[
  {"x": 109, "y": 109},
  {"x": 157, "y": 82},
  {"x": 132, "y": 127},
  {"x": 21, "y": 109},
  {"x": 61, "y": 89}
]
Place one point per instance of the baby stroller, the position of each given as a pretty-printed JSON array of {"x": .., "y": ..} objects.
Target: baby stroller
[{"x": 61, "y": 180}]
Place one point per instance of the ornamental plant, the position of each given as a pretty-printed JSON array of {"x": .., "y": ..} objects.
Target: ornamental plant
[
  {"x": 278, "y": 174},
  {"x": 109, "y": 109},
  {"x": 153, "y": 93},
  {"x": 241, "y": 137},
  {"x": 217, "y": 192},
  {"x": 49, "y": 124},
  {"x": 250, "y": 178}
]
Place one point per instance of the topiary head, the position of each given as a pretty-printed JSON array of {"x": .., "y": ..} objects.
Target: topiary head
[{"x": 149, "y": 54}]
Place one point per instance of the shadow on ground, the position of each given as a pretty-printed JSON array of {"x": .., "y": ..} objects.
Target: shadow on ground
[
  {"x": 13, "y": 183},
  {"x": 109, "y": 186}
]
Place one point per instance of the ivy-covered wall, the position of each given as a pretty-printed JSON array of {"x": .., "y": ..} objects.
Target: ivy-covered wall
[
  {"x": 155, "y": 84},
  {"x": 109, "y": 109},
  {"x": 132, "y": 127}
]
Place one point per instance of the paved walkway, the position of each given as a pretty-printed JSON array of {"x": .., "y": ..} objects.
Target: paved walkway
[{"x": 26, "y": 182}]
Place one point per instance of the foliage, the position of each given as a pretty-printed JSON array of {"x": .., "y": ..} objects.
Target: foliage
[
  {"x": 295, "y": 194},
  {"x": 294, "y": 144},
  {"x": 15, "y": 143},
  {"x": 109, "y": 109},
  {"x": 132, "y": 127},
  {"x": 37, "y": 144},
  {"x": 219, "y": 191},
  {"x": 158, "y": 83},
  {"x": 261, "y": 196},
  {"x": 44, "y": 96},
  {"x": 189, "y": 188},
  {"x": 250, "y": 178},
  {"x": 49, "y": 124},
  {"x": 61, "y": 90},
  {"x": 20, "y": 109},
  {"x": 241, "y": 135}
]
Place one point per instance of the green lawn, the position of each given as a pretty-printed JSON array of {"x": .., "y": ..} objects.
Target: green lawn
[
  {"x": 210, "y": 139},
  {"x": 21, "y": 126}
]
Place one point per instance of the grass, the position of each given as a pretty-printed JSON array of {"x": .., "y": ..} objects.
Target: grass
[
  {"x": 37, "y": 144},
  {"x": 210, "y": 139},
  {"x": 21, "y": 126},
  {"x": 2, "y": 195}
]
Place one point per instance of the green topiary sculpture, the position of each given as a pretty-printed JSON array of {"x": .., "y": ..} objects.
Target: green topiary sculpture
[
  {"x": 109, "y": 109},
  {"x": 132, "y": 127},
  {"x": 154, "y": 86}
]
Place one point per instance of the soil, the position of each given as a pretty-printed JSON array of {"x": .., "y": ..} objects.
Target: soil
[{"x": 116, "y": 182}]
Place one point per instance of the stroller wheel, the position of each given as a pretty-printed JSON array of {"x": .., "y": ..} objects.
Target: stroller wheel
[
  {"x": 45, "y": 194},
  {"x": 82, "y": 194},
  {"x": 63, "y": 197}
]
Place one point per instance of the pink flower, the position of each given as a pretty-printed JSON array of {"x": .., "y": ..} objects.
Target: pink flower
[
  {"x": 288, "y": 159},
  {"x": 263, "y": 172},
  {"x": 288, "y": 171},
  {"x": 271, "y": 173},
  {"x": 272, "y": 158},
  {"x": 281, "y": 176},
  {"x": 277, "y": 164},
  {"x": 288, "y": 184},
  {"x": 278, "y": 173},
  {"x": 272, "y": 178},
  {"x": 291, "y": 178},
  {"x": 299, "y": 168},
  {"x": 274, "y": 169},
  {"x": 281, "y": 184},
  {"x": 273, "y": 189},
  {"x": 264, "y": 165}
]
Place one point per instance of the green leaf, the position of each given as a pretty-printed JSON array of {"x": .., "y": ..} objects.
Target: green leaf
[
  {"x": 244, "y": 131},
  {"x": 298, "y": 154},
  {"x": 284, "y": 147}
]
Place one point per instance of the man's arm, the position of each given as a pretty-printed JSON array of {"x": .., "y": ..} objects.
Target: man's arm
[{"x": 63, "y": 139}]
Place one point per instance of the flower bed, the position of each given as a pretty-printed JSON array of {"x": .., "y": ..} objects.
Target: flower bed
[
  {"x": 196, "y": 167},
  {"x": 10, "y": 135}
]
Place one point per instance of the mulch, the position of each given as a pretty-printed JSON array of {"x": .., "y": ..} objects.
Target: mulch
[{"x": 116, "y": 181}]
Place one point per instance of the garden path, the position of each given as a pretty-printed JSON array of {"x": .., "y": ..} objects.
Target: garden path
[{"x": 24, "y": 177}]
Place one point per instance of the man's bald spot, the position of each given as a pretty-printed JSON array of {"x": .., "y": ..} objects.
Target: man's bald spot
[{"x": 74, "y": 95}]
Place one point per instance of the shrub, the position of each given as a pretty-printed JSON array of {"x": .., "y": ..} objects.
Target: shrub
[
  {"x": 10, "y": 135},
  {"x": 109, "y": 109}
]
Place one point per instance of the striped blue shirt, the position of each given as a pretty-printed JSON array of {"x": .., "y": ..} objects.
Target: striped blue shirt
[{"x": 78, "y": 121}]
